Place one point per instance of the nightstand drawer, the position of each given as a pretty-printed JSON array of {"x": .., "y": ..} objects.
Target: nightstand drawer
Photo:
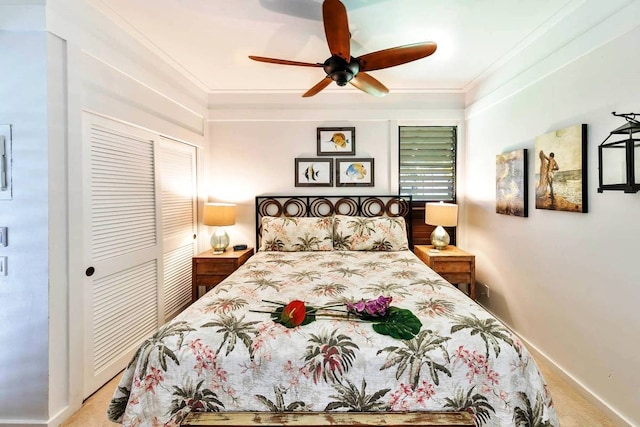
[
  {"x": 451, "y": 267},
  {"x": 211, "y": 280},
  {"x": 457, "y": 277},
  {"x": 222, "y": 266}
]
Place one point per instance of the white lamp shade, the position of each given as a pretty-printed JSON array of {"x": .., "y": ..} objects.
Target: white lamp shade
[
  {"x": 220, "y": 214},
  {"x": 444, "y": 214}
]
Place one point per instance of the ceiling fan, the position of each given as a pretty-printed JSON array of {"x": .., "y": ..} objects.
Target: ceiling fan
[{"x": 343, "y": 68}]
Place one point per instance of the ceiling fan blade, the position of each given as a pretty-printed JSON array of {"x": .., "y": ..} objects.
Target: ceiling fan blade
[
  {"x": 368, "y": 84},
  {"x": 396, "y": 55},
  {"x": 283, "y": 61},
  {"x": 318, "y": 87},
  {"x": 336, "y": 28}
]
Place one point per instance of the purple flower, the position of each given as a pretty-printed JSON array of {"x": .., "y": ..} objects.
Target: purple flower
[
  {"x": 359, "y": 306},
  {"x": 373, "y": 307}
]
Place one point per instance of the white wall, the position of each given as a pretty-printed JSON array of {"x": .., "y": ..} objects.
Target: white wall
[
  {"x": 266, "y": 163},
  {"x": 59, "y": 60},
  {"x": 24, "y": 291},
  {"x": 567, "y": 282},
  {"x": 252, "y": 152}
]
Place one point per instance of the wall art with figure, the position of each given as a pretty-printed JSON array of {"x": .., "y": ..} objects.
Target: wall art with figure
[
  {"x": 561, "y": 169},
  {"x": 511, "y": 183}
]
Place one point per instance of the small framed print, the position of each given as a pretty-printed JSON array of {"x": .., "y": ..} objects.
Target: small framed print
[
  {"x": 336, "y": 141},
  {"x": 355, "y": 172},
  {"x": 314, "y": 172},
  {"x": 511, "y": 183}
]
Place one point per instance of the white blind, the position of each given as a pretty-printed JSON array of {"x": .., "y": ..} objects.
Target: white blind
[{"x": 428, "y": 162}]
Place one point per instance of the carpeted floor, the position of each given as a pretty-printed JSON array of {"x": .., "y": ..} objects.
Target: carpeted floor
[{"x": 573, "y": 410}]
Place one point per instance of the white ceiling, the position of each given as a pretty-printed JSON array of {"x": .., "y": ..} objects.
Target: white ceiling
[{"x": 210, "y": 40}]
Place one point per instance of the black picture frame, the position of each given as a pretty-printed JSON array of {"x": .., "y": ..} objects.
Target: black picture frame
[
  {"x": 336, "y": 141},
  {"x": 355, "y": 172},
  {"x": 313, "y": 172}
]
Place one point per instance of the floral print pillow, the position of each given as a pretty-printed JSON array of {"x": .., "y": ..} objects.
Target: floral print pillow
[
  {"x": 292, "y": 234},
  {"x": 357, "y": 233}
]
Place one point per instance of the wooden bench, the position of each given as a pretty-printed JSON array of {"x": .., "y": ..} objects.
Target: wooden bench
[{"x": 322, "y": 419}]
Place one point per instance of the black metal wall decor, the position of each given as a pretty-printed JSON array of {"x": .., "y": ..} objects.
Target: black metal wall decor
[{"x": 619, "y": 161}]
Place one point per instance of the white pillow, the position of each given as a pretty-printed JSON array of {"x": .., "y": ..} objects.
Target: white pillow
[
  {"x": 358, "y": 233},
  {"x": 292, "y": 234}
]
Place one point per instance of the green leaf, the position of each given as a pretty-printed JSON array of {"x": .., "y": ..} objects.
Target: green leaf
[{"x": 399, "y": 323}]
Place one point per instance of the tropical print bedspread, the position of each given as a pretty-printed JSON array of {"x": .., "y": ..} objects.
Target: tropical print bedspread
[{"x": 221, "y": 355}]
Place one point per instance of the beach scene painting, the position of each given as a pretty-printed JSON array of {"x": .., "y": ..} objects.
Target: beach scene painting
[
  {"x": 314, "y": 172},
  {"x": 561, "y": 169},
  {"x": 511, "y": 183},
  {"x": 354, "y": 173}
]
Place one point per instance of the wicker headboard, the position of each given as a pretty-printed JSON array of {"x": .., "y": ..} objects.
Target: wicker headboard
[{"x": 322, "y": 206}]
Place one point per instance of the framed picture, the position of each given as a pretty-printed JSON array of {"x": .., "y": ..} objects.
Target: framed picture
[
  {"x": 511, "y": 183},
  {"x": 355, "y": 172},
  {"x": 336, "y": 141},
  {"x": 561, "y": 169},
  {"x": 314, "y": 173}
]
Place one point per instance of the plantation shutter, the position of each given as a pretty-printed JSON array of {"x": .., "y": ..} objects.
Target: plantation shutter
[{"x": 428, "y": 162}]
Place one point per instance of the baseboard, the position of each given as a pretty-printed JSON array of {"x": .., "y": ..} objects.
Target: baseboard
[
  {"x": 608, "y": 411},
  {"x": 54, "y": 421},
  {"x": 62, "y": 416},
  {"x": 23, "y": 423}
]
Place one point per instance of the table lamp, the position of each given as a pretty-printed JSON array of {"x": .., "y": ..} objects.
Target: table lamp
[
  {"x": 441, "y": 215},
  {"x": 220, "y": 215}
]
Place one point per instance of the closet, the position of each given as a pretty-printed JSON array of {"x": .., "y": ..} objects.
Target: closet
[{"x": 139, "y": 220}]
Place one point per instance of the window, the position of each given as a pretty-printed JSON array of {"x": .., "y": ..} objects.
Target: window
[{"x": 428, "y": 162}]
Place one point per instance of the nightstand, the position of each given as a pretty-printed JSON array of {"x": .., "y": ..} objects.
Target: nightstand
[
  {"x": 208, "y": 269},
  {"x": 452, "y": 263}
]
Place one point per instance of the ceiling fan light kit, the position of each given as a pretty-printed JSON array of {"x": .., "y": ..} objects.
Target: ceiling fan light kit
[
  {"x": 341, "y": 71},
  {"x": 343, "y": 68}
]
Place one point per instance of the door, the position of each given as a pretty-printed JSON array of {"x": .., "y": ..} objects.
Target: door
[
  {"x": 179, "y": 219},
  {"x": 137, "y": 235}
]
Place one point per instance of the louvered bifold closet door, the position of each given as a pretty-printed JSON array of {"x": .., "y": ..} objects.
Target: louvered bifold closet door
[
  {"x": 123, "y": 251},
  {"x": 179, "y": 219}
]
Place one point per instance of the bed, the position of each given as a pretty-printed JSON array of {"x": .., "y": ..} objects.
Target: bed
[{"x": 230, "y": 351}]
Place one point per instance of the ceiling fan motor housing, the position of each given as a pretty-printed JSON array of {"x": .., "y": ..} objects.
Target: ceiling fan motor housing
[{"x": 341, "y": 71}]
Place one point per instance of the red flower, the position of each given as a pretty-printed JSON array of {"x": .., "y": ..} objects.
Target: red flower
[{"x": 293, "y": 314}]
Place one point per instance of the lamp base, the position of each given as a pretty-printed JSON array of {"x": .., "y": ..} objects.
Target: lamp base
[
  {"x": 440, "y": 238},
  {"x": 219, "y": 241}
]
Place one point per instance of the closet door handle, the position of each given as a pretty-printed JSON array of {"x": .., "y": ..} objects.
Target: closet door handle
[{"x": 89, "y": 271}]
